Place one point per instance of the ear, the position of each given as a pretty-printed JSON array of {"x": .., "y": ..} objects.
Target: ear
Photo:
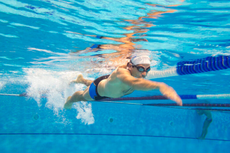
[{"x": 129, "y": 64}]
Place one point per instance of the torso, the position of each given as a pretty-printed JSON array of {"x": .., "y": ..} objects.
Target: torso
[{"x": 113, "y": 87}]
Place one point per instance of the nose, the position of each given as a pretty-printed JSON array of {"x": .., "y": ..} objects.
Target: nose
[{"x": 143, "y": 74}]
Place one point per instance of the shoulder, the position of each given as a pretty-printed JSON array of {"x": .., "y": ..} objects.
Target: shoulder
[{"x": 122, "y": 70}]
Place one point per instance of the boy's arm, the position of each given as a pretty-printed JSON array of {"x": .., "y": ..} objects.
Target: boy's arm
[{"x": 146, "y": 85}]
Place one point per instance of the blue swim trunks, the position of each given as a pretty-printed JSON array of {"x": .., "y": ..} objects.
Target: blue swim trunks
[{"x": 93, "y": 88}]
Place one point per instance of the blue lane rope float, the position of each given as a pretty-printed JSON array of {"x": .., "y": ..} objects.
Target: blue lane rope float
[
  {"x": 206, "y": 106},
  {"x": 203, "y": 65},
  {"x": 158, "y": 97},
  {"x": 114, "y": 135}
]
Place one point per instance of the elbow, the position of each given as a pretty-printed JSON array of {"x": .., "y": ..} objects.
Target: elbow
[
  {"x": 149, "y": 85},
  {"x": 161, "y": 85}
]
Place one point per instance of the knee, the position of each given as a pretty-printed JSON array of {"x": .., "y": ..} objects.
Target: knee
[
  {"x": 81, "y": 96},
  {"x": 78, "y": 93},
  {"x": 77, "y": 96}
]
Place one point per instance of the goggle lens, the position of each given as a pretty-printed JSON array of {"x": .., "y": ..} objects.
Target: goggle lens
[{"x": 142, "y": 69}]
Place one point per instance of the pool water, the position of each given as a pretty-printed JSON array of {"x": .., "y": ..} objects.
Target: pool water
[{"x": 44, "y": 45}]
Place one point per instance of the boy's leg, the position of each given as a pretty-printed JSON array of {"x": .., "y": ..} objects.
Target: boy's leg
[
  {"x": 81, "y": 79},
  {"x": 76, "y": 97}
]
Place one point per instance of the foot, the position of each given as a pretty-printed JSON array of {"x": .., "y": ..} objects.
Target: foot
[
  {"x": 68, "y": 105},
  {"x": 202, "y": 137},
  {"x": 79, "y": 79}
]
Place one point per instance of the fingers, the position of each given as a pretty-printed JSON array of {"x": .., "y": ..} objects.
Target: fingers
[
  {"x": 179, "y": 102},
  {"x": 176, "y": 98}
]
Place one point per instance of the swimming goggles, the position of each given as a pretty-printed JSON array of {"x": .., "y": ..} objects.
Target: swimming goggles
[{"x": 142, "y": 69}]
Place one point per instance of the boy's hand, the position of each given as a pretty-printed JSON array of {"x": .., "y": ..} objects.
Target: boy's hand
[{"x": 170, "y": 93}]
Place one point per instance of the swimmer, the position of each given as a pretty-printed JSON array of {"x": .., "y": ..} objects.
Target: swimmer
[{"x": 122, "y": 81}]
